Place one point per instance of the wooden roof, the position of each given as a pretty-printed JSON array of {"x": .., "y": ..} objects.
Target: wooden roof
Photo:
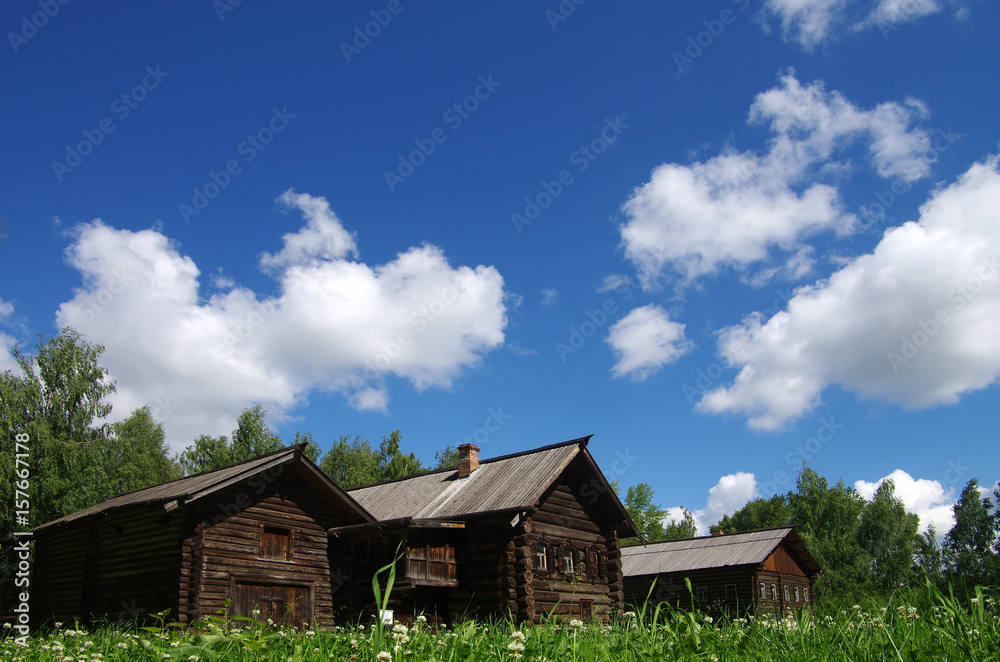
[
  {"x": 508, "y": 483},
  {"x": 748, "y": 548},
  {"x": 190, "y": 488}
]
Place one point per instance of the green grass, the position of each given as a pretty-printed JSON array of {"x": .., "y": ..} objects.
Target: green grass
[{"x": 943, "y": 630}]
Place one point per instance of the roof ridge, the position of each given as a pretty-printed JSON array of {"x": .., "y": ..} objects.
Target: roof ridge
[
  {"x": 725, "y": 539},
  {"x": 579, "y": 441}
]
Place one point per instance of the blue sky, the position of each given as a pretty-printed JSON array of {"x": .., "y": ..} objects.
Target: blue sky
[{"x": 723, "y": 238}]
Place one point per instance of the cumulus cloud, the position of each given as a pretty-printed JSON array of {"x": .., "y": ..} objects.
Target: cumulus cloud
[
  {"x": 916, "y": 322},
  {"x": 812, "y": 23},
  {"x": 335, "y": 324},
  {"x": 737, "y": 208},
  {"x": 7, "y": 342},
  {"x": 644, "y": 341},
  {"x": 928, "y": 499},
  {"x": 550, "y": 295},
  {"x": 731, "y": 493}
]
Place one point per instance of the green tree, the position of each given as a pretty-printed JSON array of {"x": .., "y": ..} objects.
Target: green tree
[
  {"x": 828, "y": 523},
  {"x": 136, "y": 455},
  {"x": 447, "y": 457},
  {"x": 929, "y": 558},
  {"x": 312, "y": 450},
  {"x": 648, "y": 516},
  {"x": 352, "y": 462},
  {"x": 888, "y": 535},
  {"x": 683, "y": 528},
  {"x": 971, "y": 547},
  {"x": 251, "y": 438},
  {"x": 758, "y": 514}
]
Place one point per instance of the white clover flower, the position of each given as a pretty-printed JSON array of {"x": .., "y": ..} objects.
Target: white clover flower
[
  {"x": 385, "y": 656},
  {"x": 517, "y": 635},
  {"x": 421, "y": 619},
  {"x": 576, "y": 623}
]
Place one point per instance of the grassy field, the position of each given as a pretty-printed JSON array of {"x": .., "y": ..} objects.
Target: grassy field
[{"x": 943, "y": 630}]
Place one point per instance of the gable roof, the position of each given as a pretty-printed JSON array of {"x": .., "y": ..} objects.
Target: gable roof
[
  {"x": 748, "y": 548},
  {"x": 190, "y": 488},
  {"x": 512, "y": 482}
]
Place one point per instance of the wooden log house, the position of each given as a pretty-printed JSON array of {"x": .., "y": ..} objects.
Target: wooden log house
[
  {"x": 528, "y": 535},
  {"x": 767, "y": 571},
  {"x": 253, "y": 533}
]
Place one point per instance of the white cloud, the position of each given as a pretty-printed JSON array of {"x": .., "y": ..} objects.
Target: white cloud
[
  {"x": 7, "y": 342},
  {"x": 928, "y": 499},
  {"x": 644, "y": 341},
  {"x": 731, "y": 493},
  {"x": 737, "y": 208},
  {"x": 812, "y": 23},
  {"x": 550, "y": 295},
  {"x": 915, "y": 322},
  {"x": 336, "y": 324},
  {"x": 323, "y": 238}
]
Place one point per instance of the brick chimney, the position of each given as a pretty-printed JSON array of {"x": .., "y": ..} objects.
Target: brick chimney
[{"x": 468, "y": 460}]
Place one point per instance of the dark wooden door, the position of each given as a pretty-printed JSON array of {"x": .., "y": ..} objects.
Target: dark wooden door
[{"x": 283, "y": 604}]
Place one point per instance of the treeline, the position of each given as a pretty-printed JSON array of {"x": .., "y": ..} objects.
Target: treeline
[
  {"x": 867, "y": 549},
  {"x": 75, "y": 461}
]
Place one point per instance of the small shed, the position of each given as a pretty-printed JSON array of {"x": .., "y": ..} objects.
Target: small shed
[
  {"x": 531, "y": 534},
  {"x": 767, "y": 571},
  {"x": 253, "y": 533}
]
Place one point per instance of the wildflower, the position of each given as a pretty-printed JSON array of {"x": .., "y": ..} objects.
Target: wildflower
[
  {"x": 6, "y": 626},
  {"x": 421, "y": 619},
  {"x": 576, "y": 623},
  {"x": 515, "y": 648},
  {"x": 630, "y": 614},
  {"x": 193, "y": 658},
  {"x": 121, "y": 644},
  {"x": 517, "y": 635},
  {"x": 385, "y": 656}
]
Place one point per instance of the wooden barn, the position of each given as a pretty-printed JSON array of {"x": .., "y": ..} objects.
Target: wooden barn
[
  {"x": 525, "y": 535},
  {"x": 767, "y": 571},
  {"x": 254, "y": 533}
]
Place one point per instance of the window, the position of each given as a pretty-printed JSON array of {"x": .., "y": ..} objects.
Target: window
[
  {"x": 592, "y": 563},
  {"x": 568, "y": 561},
  {"x": 586, "y": 610},
  {"x": 763, "y": 591},
  {"x": 805, "y": 595},
  {"x": 602, "y": 564},
  {"x": 541, "y": 557},
  {"x": 275, "y": 543},
  {"x": 774, "y": 592},
  {"x": 797, "y": 594},
  {"x": 730, "y": 591},
  {"x": 785, "y": 587},
  {"x": 701, "y": 592}
]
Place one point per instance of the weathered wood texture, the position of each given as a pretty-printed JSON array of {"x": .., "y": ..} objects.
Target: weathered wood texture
[
  {"x": 271, "y": 537},
  {"x": 122, "y": 565}
]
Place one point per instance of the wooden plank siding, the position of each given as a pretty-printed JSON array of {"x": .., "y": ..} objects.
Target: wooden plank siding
[
  {"x": 279, "y": 540},
  {"x": 123, "y": 565}
]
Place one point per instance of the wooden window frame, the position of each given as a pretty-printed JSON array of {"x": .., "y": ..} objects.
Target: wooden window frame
[
  {"x": 568, "y": 560},
  {"x": 774, "y": 592},
  {"x": 805, "y": 595},
  {"x": 289, "y": 544},
  {"x": 785, "y": 592},
  {"x": 797, "y": 594},
  {"x": 763, "y": 591},
  {"x": 541, "y": 557},
  {"x": 701, "y": 594},
  {"x": 735, "y": 592},
  {"x": 586, "y": 610}
]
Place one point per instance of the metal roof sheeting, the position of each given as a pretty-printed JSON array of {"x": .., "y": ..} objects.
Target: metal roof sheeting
[
  {"x": 752, "y": 547},
  {"x": 504, "y": 483}
]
